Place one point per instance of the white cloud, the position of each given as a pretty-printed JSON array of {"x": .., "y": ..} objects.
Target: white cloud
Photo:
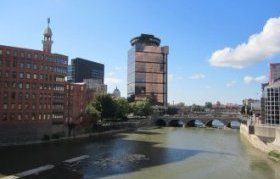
[
  {"x": 112, "y": 80},
  {"x": 231, "y": 83},
  {"x": 197, "y": 76},
  {"x": 259, "y": 79},
  {"x": 258, "y": 47}
]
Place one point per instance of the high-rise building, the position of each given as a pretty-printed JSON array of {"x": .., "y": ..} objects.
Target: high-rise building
[
  {"x": 271, "y": 96},
  {"x": 274, "y": 72},
  {"x": 81, "y": 69},
  {"x": 147, "y": 70},
  {"x": 32, "y": 86}
]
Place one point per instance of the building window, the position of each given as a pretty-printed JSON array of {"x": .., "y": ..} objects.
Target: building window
[
  {"x": 33, "y": 95},
  {"x": 14, "y": 85},
  {"x": 27, "y": 85},
  {"x": 20, "y": 95},
  {"x": 27, "y": 95},
  {"x": 21, "y": 75},
  {"x": 35, "y": 67},
  {"x": 14, "y": 74},
  {"x": 28, "y": 75},
  {"x": 14, "y": 63},
  {"x": 19, "y": 117},
  {"x": 13, "y": 95},
  {"x": 28, "y": 65},
  {"x": 15, "y": 53},
  {"x": 8, "y": 52},
  {"x": 35, "y": 55},
  {"x": 33, "y": 106},
  {"x": 28, "y": 55},
  {"x": 12, "y": 106},
  {"x": 22, "y": 54},
  {"x": 5, "y": 106},
  {"x": 1, "y": 51},
  {"x": 21, "y": 65},
  {"x": 19, "y": 106},
  {"x": 34, "y": 76},
  {"x": 20, "y": 85},
  {"x": 33, "y": 117}
]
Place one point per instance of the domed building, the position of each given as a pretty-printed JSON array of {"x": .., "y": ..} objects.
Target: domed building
[{"x": 116, "y": 92}]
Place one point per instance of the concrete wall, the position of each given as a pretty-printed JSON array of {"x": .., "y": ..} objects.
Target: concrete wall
[
  {"x": 277, "y": 137},
  {"x": 264, "y": 131},
  {"x": 17, "y": 133}
]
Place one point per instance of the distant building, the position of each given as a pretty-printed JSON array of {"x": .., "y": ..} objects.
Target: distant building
[
  {"x": 78, "y": 97},
  {"x": 32, "y": 83},
  {"x": 96, "y": 85},
  {"x": 81, "y": 69},
  {"x": 147, "y": 70},
  {"x": 274, "y": 72},
  {"x": 116, "y": 92}
]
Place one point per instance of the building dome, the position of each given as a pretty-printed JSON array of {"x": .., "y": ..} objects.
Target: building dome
[
  {"x": 48, "y": 32},
  {"x": 116, "y": 92}
]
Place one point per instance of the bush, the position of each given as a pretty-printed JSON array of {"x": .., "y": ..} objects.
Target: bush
[
  {"x": 45, "y": 137},
  {"x": 58, "y": 135}
]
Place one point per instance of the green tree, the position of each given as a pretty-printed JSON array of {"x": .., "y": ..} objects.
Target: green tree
[
  {"x": 141, "y": 108},
  {"x": 93, "y": 112},
  {"x": 105, "y": 104},
  {"x": 208, "y": 105},
  {"x": 122, "y": 107}
]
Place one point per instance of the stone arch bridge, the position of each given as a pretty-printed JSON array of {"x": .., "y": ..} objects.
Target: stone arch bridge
[{"x": 190, "y": 121}]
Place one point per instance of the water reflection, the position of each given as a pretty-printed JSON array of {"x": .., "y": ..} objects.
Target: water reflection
[{"x": 147, "y": 153}]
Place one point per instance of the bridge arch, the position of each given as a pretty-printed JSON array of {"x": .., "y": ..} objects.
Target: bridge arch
[
  {"x": 176, "y": 123},
  {"x": 160, "y": 122},
  {"x": 192, "y": 122},
  {"x": 229, "y": 124},
  {"x": 209, "y": 123}
]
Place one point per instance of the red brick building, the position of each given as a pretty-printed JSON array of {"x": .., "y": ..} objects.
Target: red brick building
[
  {"x": 78, "y": 97},
  {"x": 32, "y": 84}
]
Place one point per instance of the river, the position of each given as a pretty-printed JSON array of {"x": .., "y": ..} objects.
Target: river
[{"x": 168, "y": 152}]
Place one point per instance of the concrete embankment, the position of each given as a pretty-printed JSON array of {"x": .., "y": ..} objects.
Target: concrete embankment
[
  {"x": 256, "y": 141},
  {"x": 253, "y": 139}
]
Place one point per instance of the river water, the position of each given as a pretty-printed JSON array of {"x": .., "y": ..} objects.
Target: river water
[{"x": 168, "y": 152}]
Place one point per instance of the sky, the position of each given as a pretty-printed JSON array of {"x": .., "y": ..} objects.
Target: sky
[{"x": 219, "y": 50}]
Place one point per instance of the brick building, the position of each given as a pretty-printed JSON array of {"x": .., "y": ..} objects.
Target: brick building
[{"x": 32, "y": 84}]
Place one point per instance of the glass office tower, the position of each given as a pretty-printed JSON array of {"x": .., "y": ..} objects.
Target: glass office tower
[{"x": 147, "y": 70}]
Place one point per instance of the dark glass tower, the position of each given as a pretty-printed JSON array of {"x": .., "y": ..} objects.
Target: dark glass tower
[
  {"x": 81, "y": 69},
  {"x": 147, "y": 70}
]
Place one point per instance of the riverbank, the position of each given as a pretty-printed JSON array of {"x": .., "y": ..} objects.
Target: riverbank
[
  {"x": 109, "y": 129},
  {"x": 257, "y": 142}
]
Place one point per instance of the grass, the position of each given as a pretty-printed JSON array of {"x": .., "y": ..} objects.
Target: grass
[{"x": 274, "y": 154}]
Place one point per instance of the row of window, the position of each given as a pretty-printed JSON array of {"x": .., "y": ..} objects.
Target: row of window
[
  {"x": 20, "y": 95},
  {"x": 34, "y": 66},
  {"x": 28, "y": 106},
  {"x": 36, "y": 56},
  {"x": 26, "y": 117},
  {"x": 34, "y": 76},
  {"x": 33, "y": 86}
]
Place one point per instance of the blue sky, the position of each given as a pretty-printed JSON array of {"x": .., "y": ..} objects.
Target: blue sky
[{"x": 100, "y": 30}]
